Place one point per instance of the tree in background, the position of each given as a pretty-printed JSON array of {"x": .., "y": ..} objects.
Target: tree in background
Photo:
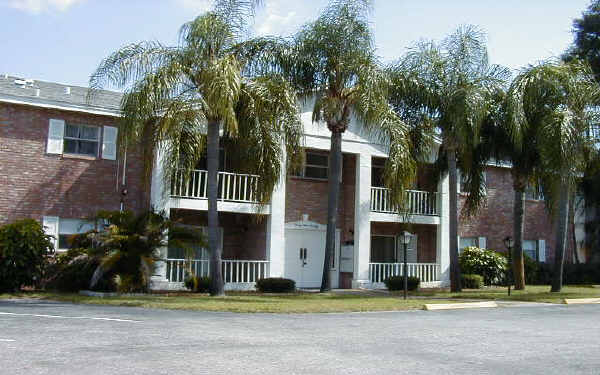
[
  {"x": 557, "y": 100},
  {"x": 586, "y": 46},
  {"x": 452, "y": 87},
  {"x": 178, "y": 99}
]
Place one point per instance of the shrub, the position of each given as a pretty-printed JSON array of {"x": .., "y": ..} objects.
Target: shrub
[
  {"x": 275, "y": 285},
  {"x": 531, "y": 269},
  {"x": 471, "y": 281},
  {"x": 24, "y": 250},
  {"x": 397, "y": 283},
  {"x": 487, "y": 263},
  {"x": 198, "y": 284},
  {"x": 72, "y": 272}
]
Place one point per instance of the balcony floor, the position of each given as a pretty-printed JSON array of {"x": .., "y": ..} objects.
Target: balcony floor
[{"x": 222, "y": 206}]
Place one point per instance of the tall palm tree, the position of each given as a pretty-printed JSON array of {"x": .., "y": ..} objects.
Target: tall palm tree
[
  {"x": 178, "y": 99},
  {"x": 332, "y": 63},
  {"x": 452, "y": 86},
  {"x": 560, "y": 99}
]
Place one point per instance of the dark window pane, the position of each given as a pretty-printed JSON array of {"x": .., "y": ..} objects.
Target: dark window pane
[
  {"x": 377, "y": 177},
  {"x": 64, "y": 241},
  {"x": 316, "y": 159},
  {"x": 315, "y": 172},
  {"x": 88, "y": 132},
  {"x": 88, "y": 148},
  {"x": 70, "y": 146},
  {"x": 383, "y": 249},
  {"x": 72, "y": 131}
]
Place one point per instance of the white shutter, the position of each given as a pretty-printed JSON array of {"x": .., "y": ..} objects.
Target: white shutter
[
  {"x": 542, "y": 250},
  {"x": 56, "y": 132},
  {"x": 412, "y": 249},
  {"x": 481, "y": 243},
  {"x": 109, "y": 143},
  {"x": 50, "y": 224}
]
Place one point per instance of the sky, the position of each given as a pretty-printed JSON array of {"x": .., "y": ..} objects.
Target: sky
[{"x": 65, "y": 40}]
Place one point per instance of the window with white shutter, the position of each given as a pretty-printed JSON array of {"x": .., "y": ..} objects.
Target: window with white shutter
[
  {"x": 109, "y": 143},
  {"x": 56, "y": 133}
]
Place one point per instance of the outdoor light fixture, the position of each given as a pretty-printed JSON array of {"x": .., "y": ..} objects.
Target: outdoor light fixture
[
  {"x": 509, "y": 243},
  {"x": 405, "y": 238}
]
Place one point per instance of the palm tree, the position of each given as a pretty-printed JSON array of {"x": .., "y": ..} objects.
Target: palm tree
[
  {"x": 178, "y": 99},
  {"x": 559, "y": 99},
  {"x": 451, "y": 86},
  {"x": 332, "y": 63}
]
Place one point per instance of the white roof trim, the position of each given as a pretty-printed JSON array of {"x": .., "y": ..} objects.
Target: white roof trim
[{"x": 52, "y": 105}]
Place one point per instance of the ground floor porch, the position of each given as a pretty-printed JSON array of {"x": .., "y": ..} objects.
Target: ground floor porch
[{"x": 248, "y": 255}]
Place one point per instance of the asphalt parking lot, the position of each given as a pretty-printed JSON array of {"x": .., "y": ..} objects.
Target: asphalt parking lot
[{"x": 39, "y": 337}]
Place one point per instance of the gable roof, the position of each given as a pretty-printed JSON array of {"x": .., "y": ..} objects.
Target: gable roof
[{"x": 55, "y": 95}]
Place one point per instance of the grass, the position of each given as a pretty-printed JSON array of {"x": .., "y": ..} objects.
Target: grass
[
  {"x": 532, "y": 293},
  {"x": 249, "y": 302},
  {"x": 252, "y": 302}
]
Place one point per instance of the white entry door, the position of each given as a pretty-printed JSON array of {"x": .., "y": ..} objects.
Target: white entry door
[{"x": 304, "y": 257}]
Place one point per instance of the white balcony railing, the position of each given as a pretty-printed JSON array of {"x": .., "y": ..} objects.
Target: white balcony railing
[
  {"x": 232, "y": 187},
  {"x": 234, "y": 271},
  {"x": 417, "y": 202},
  {"x": 426, "y": 272}
]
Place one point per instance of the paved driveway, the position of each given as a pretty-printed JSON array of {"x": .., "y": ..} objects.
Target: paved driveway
[{"x": 58, "y": 338}]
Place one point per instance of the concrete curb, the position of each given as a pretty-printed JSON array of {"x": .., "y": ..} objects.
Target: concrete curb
[
  {"x": 464, "y": 305},
  {"x": 578, "y": 301},
  {"x": 90, "y": 293}
]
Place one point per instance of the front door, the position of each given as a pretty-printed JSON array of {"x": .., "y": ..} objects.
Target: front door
[{"x": 304, "y": 256}]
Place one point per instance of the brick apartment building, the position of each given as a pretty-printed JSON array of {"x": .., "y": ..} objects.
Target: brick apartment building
[{"x": 59, "y": 165}]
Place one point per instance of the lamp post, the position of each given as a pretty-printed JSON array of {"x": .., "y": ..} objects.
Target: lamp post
[
  {"x": 508, "y": 242},
  {"x": 406, "y": 236}
]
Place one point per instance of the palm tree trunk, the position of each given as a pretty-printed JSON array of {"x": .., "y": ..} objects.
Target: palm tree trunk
[
  {"x": 335, "y": 171},
  {"x": 517, "y": 255},
  {"x": 561, "y": 236},
  {"x": 212, "y": 163},
  {"x": 572, "y": 212},
  {"x": 453, "y": 221}
]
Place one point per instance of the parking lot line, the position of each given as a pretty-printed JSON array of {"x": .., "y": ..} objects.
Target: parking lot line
[
  {"x": 7, "y": 340},
  {"x": 72, "y": 317}
]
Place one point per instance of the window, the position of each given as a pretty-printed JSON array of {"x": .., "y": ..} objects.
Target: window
[
  {"x": 533, "y": 192},
  {"x": 389, "y": 249},
  {"x": 383, "y": 249},
  {"x": 316, "y": 166},
  {"x": 530, "y": 248},
  {"x": 462, "y": 182},
  {"x": 467, "y": 242},
  {"x": 377, "y": 167},
  {"x": 69, "y": 227},
  {"x": 81, "y": 140}
]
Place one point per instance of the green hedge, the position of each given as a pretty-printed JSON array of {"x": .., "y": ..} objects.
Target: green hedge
[
  {"x": 24, "y": 251},
  {"x": 198, "y": 284},
  {"x": 471, "y": 281},
  {"x": 397, "y": 283},
  {"x": 275, "y": 285}
]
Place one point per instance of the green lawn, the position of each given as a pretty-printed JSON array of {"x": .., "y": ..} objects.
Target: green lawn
[
  {"x": 532, "y": 293},
  {"x": 248, "y": 302}
]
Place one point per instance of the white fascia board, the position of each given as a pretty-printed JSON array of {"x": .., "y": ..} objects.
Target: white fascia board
[
  {"x": 56, "y": 105},
  {"x": 202, "y": 205},
  {"x": 397, "y": 218}
]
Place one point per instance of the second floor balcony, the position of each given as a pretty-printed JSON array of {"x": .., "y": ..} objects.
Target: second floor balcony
[
  {"x": 417, "y": 202},
  {"x": 236, "y": 192}
]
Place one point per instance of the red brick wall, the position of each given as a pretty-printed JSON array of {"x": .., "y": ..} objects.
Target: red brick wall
[
  {"x": 426, "y": 237},
  {"x": 34, "y": 184},
  {"x": 306, "y": 196},
  {"x": 244, "y": 236},
  {"x": 495, "y": 219}
]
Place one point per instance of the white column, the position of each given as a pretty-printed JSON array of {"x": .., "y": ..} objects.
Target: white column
[
  {"x": 159, "y": 200},
  {"x": 443, "y": 231},
  {"x": 276, "y": 227},
  {"x": 362, "y": 221}
]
